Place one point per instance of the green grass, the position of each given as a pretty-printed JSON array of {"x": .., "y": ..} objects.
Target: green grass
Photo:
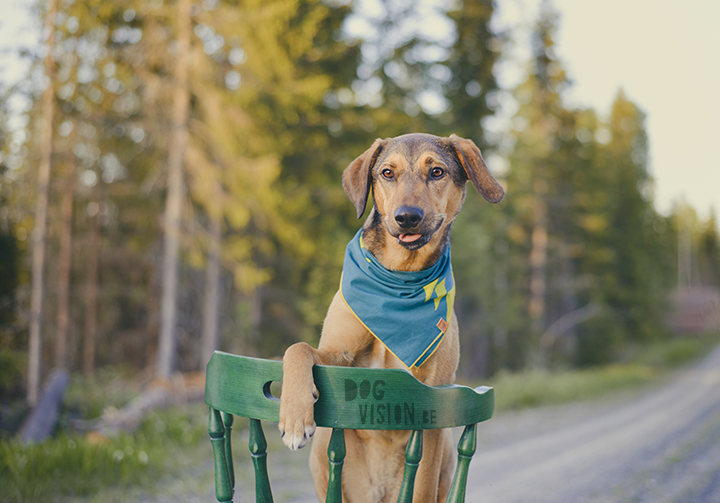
[
  {"x": 73, "y": 465},
  {"x": 639, "y": 365},
  {"x": 537, "y": 388}
]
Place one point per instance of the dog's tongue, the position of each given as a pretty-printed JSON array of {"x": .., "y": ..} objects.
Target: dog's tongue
[{"x": 409, "y": 238}]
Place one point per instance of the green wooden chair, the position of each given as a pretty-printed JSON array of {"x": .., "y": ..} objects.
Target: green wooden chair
[{"x": 355, "y": 398}]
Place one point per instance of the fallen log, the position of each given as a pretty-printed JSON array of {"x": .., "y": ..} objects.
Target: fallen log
[
  {"x": 162, "y": 393},
  {"x": 42, "y": 420}
]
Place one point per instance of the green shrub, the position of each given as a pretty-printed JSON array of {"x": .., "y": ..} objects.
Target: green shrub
[
  {"x": 111, "y": 386},
  {"x": 12, "y": 368},
  {"x": 672, "y": 352},
  {"x": 598, "y": 340}
]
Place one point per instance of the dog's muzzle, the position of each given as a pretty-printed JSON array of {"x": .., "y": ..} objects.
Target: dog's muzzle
[{"x": 412, "y": 234}]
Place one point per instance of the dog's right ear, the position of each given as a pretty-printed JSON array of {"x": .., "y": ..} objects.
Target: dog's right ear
[{"x": 356, "y": 178}]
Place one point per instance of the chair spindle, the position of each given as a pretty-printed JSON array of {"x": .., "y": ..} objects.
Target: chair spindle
[
  {"x": 258, "y": 450},
  {"x": 466, "y": 450},
  {"x": 228, "y": 420},
  {"x": 336, "y": 458},
  {"x": 223, "y": 484}
]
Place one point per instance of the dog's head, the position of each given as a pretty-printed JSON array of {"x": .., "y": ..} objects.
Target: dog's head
[{"x": 418, "y": 183}]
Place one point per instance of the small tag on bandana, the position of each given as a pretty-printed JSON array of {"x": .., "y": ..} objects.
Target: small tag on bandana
[{"x": 442, "y": 325}]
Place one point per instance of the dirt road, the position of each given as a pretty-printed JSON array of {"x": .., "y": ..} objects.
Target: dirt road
[{"x": 658, "y": 446}]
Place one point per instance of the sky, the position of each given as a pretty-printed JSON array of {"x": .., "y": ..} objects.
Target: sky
[{"x": 664, "y": 54}]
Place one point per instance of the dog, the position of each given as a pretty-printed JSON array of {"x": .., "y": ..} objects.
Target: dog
[{"x": 418, "y": 186}]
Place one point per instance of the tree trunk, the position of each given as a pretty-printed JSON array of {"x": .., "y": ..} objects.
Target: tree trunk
[
  {"x": 41, "y": 209},
  {"x": 500, "y": 333},
  {"x": 174, "y": 198},
  {"x": 211, "y": 311},
  {"x": 538, "y": 259},
  {"x": 91, "y": 292},
  {"x": 65, "y": 260}
]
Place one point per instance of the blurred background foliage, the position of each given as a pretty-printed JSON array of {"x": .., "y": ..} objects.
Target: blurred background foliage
[
  {"x": 574, "y": 271},
  {"x": 574, "y": 266}
]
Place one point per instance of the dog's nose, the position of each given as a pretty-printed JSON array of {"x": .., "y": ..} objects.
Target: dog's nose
[{"x": 408, "y": 216}]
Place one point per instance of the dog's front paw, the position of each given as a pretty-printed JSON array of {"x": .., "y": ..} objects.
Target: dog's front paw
[{"x": 297, "y": 424}]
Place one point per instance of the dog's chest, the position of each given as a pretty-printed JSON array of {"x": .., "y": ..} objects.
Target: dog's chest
[{"x": 377, "y": 356}]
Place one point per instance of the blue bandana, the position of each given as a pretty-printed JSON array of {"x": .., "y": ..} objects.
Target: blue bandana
[{"x": 409, "y": 312}]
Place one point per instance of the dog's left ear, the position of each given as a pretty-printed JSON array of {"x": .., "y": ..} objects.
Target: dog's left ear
[
  {"x": 476, "y": 170},
  {"x": 356, "y": 177}
]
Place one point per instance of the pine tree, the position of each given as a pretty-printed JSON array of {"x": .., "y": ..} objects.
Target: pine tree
[
  {"x": 10, "y": 250},
  {"x": 472, "y": 89},
  {"x": 174, "y": 197},
  {"x": 41, "y": 212},
  {"x": 65, "y": 256},
  {"x": 535, "y": 167},
  {"x": 634, "y": 283}
]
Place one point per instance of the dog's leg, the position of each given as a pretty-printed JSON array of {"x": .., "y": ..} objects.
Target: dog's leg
[
  {"x": 299, "y": 394},
  {"x": 428, "y": 486},
  {"x": 343, "y": 337},
  {"x": 447, "y": 469}
]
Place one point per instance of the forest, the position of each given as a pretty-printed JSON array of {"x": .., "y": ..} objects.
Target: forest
[{"x": 172, "y": 186}]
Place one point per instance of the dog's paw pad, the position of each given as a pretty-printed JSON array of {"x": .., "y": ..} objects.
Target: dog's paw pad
[{"x": 295, "y": 441}]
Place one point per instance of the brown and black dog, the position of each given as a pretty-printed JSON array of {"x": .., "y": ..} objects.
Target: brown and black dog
[{"x": 418, "y": 184}]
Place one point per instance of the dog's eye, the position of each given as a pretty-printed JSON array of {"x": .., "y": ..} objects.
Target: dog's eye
[
  {"x": 388, "y": 174},
  {"x": 437, "y": 172}
]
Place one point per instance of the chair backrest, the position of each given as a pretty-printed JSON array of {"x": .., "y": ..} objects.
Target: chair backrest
[{"x": 350, "y": 397}]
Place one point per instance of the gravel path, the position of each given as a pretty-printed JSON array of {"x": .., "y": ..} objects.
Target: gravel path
[{"x": 658, "y": 446}]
